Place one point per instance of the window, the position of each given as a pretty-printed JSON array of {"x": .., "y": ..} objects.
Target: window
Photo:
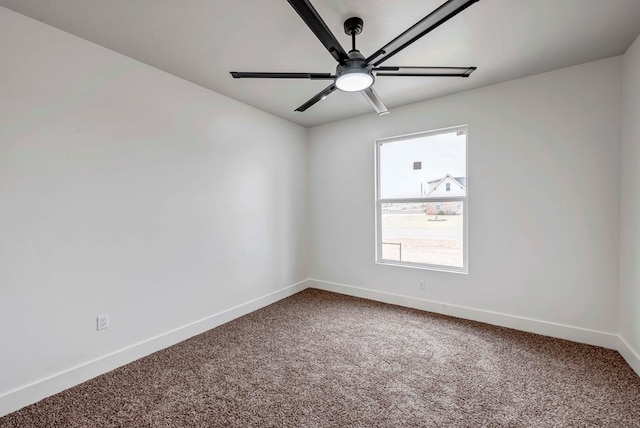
[{"x": 421, "y": 214}]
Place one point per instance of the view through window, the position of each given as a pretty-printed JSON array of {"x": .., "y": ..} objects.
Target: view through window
[{"x": 422, "y": 200}]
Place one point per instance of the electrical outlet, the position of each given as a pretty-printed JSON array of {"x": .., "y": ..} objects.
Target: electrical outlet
[
  {"x": 102, "y": 321},
  {"x": 421, "y": 285}
]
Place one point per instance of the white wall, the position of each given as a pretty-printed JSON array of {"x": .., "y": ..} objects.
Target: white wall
[
  {"x": 543, "y": 181},
  {"x": 630, "y": 205},
  {"x": 128, "y": 191}
]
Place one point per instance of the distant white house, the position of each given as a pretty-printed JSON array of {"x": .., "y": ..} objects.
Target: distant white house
[
  {"x": 447, "y": 186},
  {"x": 442, "y": 187}
]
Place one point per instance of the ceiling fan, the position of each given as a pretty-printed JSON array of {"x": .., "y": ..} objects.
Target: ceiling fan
[{"x": 354, "y": 72}]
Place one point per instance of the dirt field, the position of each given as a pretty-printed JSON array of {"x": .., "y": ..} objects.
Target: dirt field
[{"x": 423, "y": 239}]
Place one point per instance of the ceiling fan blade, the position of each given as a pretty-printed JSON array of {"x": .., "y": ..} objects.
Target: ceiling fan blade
[
  {"x": 313, "y": 20},
  {"x": 424, "y": 71},
  {"x": 261, "y": 75},
  {"x": 442, "y": 14},
  {"x": 319, "y": 96},
  {"x": 372, "y": 96}
]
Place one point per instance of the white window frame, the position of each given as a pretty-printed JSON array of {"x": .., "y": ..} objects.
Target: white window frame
[{"x": 464, "y": 199}]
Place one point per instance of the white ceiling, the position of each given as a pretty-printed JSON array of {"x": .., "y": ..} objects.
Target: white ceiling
[{"x": 202, "y": 40}]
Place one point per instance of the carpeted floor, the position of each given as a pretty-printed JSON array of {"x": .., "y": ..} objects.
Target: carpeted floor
[{"x": 319, "y": 359}]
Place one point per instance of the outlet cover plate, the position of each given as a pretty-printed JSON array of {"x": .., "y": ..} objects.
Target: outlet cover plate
[{"x": 102, "y": 321}]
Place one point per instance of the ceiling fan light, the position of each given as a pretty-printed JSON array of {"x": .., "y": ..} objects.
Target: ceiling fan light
[{"x": 354, "y": 80}]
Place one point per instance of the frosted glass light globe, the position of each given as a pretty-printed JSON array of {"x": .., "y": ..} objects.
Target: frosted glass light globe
[{"x": 354, "y": 80}]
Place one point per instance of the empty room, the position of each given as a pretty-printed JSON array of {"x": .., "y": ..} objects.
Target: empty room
[{"x": 320, "y": 213}]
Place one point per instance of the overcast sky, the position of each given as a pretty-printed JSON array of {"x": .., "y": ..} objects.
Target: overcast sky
[{"x": 440, "y": 155}]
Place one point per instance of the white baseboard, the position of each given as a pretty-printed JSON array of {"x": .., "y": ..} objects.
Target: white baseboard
[
  {"x": 36, "y": 391},
  {"x": 629, "y": 354},
  {"x": 28, "y": 394},
  {"x": 546, "y": 328}
]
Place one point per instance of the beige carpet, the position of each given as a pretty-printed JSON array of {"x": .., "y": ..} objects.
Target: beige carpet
[{"x": 319, "y": 359}]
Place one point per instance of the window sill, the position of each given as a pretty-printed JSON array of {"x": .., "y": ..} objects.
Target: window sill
[{"x": 436, "y": 268}]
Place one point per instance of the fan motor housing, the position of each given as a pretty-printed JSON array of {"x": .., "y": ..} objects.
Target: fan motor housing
[
  {"x": 355, "y": 65},
  {"x": 356, "y": 60}
]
